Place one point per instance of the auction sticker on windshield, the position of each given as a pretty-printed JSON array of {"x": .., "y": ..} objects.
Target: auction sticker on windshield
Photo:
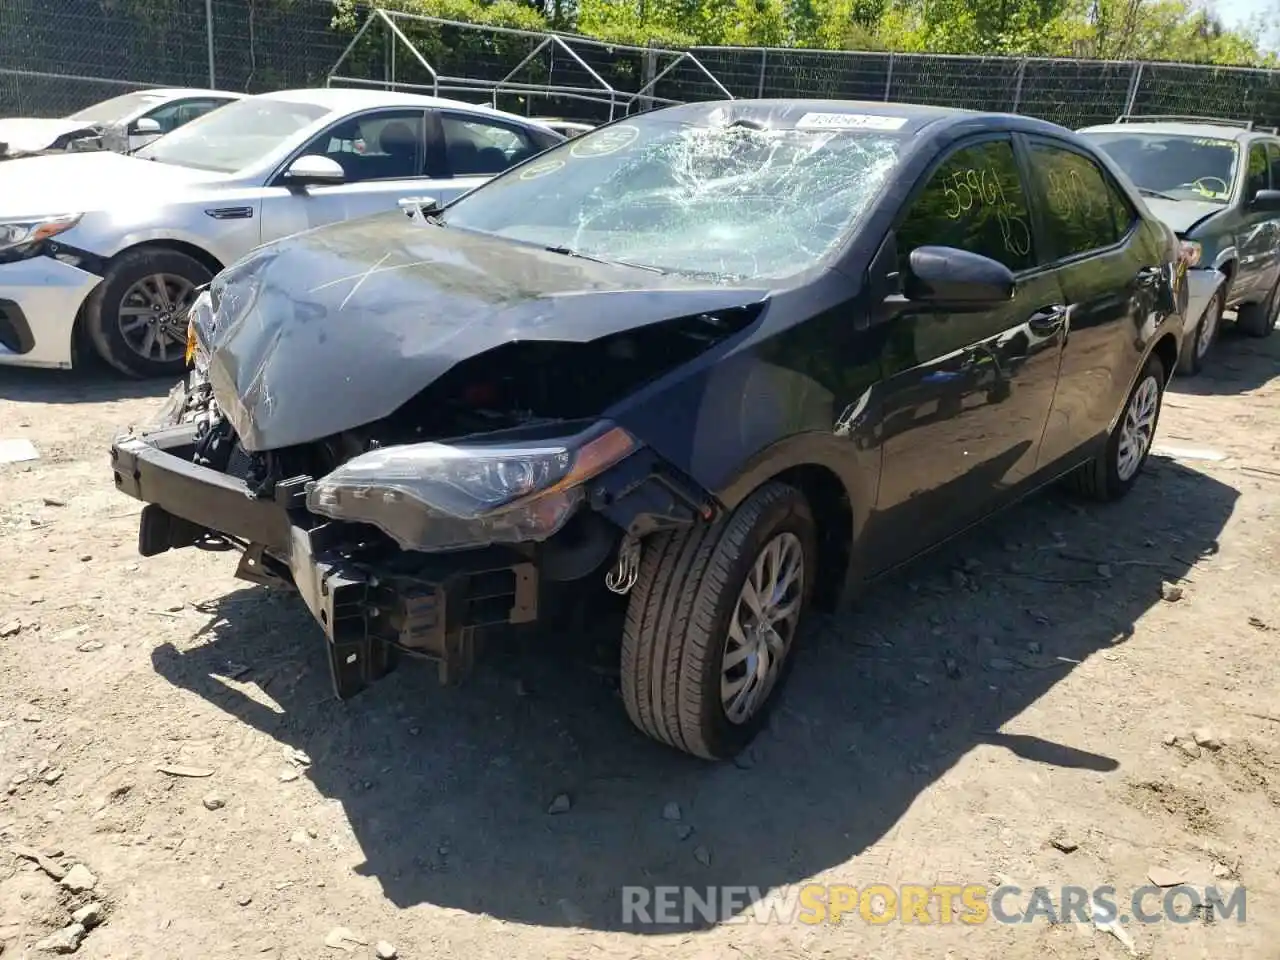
[
  {"x": 541, "y": 169},
  {"x": 604, "y": 142},
  {"x": 849, "y": 121}
]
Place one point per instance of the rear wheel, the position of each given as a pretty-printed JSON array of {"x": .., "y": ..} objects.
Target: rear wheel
[
  {"x": 137, "y": 317},
  {"x": 1259, "y": 319},
  {"x": 712, "y": 622},
  {"x": 1112, "y": 473}
]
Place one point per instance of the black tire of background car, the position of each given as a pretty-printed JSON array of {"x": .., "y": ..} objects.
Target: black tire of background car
[
  {"x": 1190, "y": 361},
  {"x": 1099, "y": 479},
  {"x": 1259, "y": 319},
  {"x": 677, "y": 622},
  {"x": 102, "y": 314}
]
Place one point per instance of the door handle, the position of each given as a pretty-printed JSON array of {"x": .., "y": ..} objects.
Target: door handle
[{"x": 1049, "y": 320}]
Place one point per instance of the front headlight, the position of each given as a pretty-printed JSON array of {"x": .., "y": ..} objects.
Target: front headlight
[
  {"x": 439, "y": 496},
  {"x": 17, "y": 234},
  {"x": 1189, "y": 253}
]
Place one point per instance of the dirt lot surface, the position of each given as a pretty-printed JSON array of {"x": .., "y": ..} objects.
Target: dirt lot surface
[{"x": 1038, "y": 681}]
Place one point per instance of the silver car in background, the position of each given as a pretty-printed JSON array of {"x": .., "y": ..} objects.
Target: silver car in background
[
  {"x": 104, "y": 251},
  {"x": 123, "y": 124}
]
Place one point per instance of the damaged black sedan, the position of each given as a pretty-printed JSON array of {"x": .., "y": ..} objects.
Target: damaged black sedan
[{"x": 718, "y": 363}]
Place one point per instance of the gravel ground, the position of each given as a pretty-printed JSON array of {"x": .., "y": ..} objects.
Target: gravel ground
[{"x": 1043, "y": 680}]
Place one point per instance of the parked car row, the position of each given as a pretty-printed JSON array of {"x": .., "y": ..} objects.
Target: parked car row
[
  {"x": 104, "y": 251},
  {"x": 704, "y": 368},
  {"x": 123, "y": 124}
]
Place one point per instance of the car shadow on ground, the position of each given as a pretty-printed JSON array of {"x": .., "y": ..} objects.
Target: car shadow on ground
[
  {"x": 1236, "y": 364},
  {"x": 92, "y": 382},
  {"x": 447, "y": 789}
]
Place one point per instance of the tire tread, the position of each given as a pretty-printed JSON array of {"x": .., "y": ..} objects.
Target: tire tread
[{"x": 670, "y": 626}]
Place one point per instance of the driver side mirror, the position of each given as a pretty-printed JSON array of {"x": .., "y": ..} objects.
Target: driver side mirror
[
  {"x": 946, "y": 275},
  {"x": 145, "y": 127},
  {"x": 1267, "y": 201},
  {"x": 314, "y": 170}
]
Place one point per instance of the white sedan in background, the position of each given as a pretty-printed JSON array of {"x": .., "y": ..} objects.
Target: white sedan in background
[
  {"x": 104, "y": 251},
  {"x": 124, "y": 123}
]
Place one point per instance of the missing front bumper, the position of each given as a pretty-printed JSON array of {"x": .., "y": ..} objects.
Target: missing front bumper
[{"x": 370, "y": 605}]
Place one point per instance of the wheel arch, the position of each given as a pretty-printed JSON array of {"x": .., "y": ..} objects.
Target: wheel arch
[
  {"x": 1227, "y": 265},
  {"x": 833, "y": 517},
  {"x": 194, "y": 251},
  {"x": 837, "y": 478},
  {"x": 80, "y": 345},
  {"x": 1166, "y": 348}
]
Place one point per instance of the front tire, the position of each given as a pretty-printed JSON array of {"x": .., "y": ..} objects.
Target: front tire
[
  {"x": 1191, "y": 361},
  {"x": 136, "y": 317},
  {"x": 712, "y": 622},
  {"x": 1113, "y": 472}
]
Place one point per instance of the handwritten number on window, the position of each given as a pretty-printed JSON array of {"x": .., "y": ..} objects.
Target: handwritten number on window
[
  {"x": 967, "y": 189},
  {"x": 1068, "y": 196}
]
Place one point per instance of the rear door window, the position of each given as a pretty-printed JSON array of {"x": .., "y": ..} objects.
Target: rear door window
[
  {"x": 1075, "y": 201},
  {"x": 476, "y": 146}
]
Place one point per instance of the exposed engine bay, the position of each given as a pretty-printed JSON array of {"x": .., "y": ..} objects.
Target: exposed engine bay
[{"x": 528, "y": 391}]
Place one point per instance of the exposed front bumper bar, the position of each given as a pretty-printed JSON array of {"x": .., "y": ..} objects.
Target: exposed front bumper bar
[{"x": 423, "y": 604}]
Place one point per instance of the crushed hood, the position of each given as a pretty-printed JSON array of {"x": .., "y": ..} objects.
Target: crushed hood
[
  {"x": 1182, "y": 215},
  {"x": 30, "y": 135},
  {"x": 338, "y": 327},
  {"x": 84, "y": 182}
]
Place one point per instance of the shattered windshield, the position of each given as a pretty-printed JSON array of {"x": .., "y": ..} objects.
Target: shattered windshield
[
  {"x": 735, "y": 201},
  {"x": 1176, "y": 167}
]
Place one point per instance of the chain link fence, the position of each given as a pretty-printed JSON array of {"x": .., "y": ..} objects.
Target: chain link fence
[{"x": 57, "y": 58}]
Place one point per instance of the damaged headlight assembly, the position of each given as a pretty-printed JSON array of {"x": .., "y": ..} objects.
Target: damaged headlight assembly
[
  {"x": 445, "y": 496},
  {"x": 199, "y": 332}
]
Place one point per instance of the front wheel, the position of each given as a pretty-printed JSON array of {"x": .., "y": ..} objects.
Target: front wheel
[
  {"x": 712, "y": 622},
  {"x": 1112, "y": 473},
  {"x": 1192, "y": 360},
  {"x": 137, "y": 315}
]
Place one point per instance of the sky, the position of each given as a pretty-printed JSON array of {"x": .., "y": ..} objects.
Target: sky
[{"x": 1238, "y": 13}]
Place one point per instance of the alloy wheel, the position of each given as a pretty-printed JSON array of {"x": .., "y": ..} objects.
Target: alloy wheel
[
  {"x": 762, "y": 627},
  {"x": 1137, "y": 429},
  {"x": 153, "y": 315}
]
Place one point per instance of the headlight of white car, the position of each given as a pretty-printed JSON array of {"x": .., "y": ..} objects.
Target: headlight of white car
[{"x": 19, "y": 234}]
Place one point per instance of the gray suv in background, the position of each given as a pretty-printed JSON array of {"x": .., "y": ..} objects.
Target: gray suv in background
[{"x": 1217, "y": 184}]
